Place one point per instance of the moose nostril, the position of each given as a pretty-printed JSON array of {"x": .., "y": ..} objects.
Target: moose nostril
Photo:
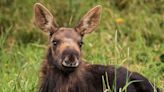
[
  {"x": 70, "y": 61},
  {"x": 67, "y": 62},
  {"x": 71, "y": 58}
]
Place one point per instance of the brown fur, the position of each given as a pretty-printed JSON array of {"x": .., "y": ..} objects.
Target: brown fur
[
  {"x": 88, "y": 78},
  {"x": 63, "y": 69}
]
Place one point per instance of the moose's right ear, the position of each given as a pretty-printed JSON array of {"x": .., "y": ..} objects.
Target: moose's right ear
[
  {"x": 89, "y": 21},
  {"x": 44, "y": 19}
]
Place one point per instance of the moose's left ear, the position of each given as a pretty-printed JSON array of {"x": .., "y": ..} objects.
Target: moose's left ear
[
  {"x": 44, "y": 19},
  {"x": 90, "y": 20}
]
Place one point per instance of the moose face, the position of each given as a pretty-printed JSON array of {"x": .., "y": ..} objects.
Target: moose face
[
  {"x": 66, "y": 43},
  {"x": 66, "y": 46}
]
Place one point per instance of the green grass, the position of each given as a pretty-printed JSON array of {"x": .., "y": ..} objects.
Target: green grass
[{"x": 130, "y": 34}]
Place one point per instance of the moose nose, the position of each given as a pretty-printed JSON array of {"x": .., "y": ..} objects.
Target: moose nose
[{"x": 70, "y": 61}]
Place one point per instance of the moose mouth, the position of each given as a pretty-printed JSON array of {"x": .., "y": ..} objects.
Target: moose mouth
[{"x": 70, "y": 64}]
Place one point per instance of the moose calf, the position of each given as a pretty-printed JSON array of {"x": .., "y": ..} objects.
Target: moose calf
[{"x": 65, "y": 71}]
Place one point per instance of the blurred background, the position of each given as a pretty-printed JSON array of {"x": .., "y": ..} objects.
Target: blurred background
[{"x": 130, "y": 34}]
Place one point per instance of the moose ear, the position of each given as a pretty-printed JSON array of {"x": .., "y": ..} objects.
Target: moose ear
[
  {"x": 44, "y": 19},
  {"x": 89, "y": 21}
]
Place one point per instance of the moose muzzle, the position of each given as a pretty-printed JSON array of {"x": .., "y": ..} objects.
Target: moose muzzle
[{"x": 71, "y": 59}]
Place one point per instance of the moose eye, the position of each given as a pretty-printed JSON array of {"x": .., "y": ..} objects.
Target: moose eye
[
  {"x": 81, "y": 43},
  {"x": 55, "y": 42}
]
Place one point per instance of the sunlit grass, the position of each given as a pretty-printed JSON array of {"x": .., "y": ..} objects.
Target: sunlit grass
[{"x": 130, "y": 34}]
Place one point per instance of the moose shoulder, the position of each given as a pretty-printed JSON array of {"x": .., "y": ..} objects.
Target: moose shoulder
[{"x": 65, "y": 71}]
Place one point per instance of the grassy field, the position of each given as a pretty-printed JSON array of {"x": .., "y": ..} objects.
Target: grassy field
[{"x": 131, "y": 34}]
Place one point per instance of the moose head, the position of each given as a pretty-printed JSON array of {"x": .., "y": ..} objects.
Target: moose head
[{"x": 66, "y": 43}]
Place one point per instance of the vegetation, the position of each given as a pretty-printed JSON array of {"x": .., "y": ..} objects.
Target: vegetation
[{"x": 130, "y": 34}]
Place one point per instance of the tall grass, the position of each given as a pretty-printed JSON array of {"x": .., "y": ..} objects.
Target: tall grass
[{"x": 130, "y": 34}]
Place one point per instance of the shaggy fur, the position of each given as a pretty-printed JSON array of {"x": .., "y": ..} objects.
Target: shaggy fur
[{"x": 88, "y": 78}]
